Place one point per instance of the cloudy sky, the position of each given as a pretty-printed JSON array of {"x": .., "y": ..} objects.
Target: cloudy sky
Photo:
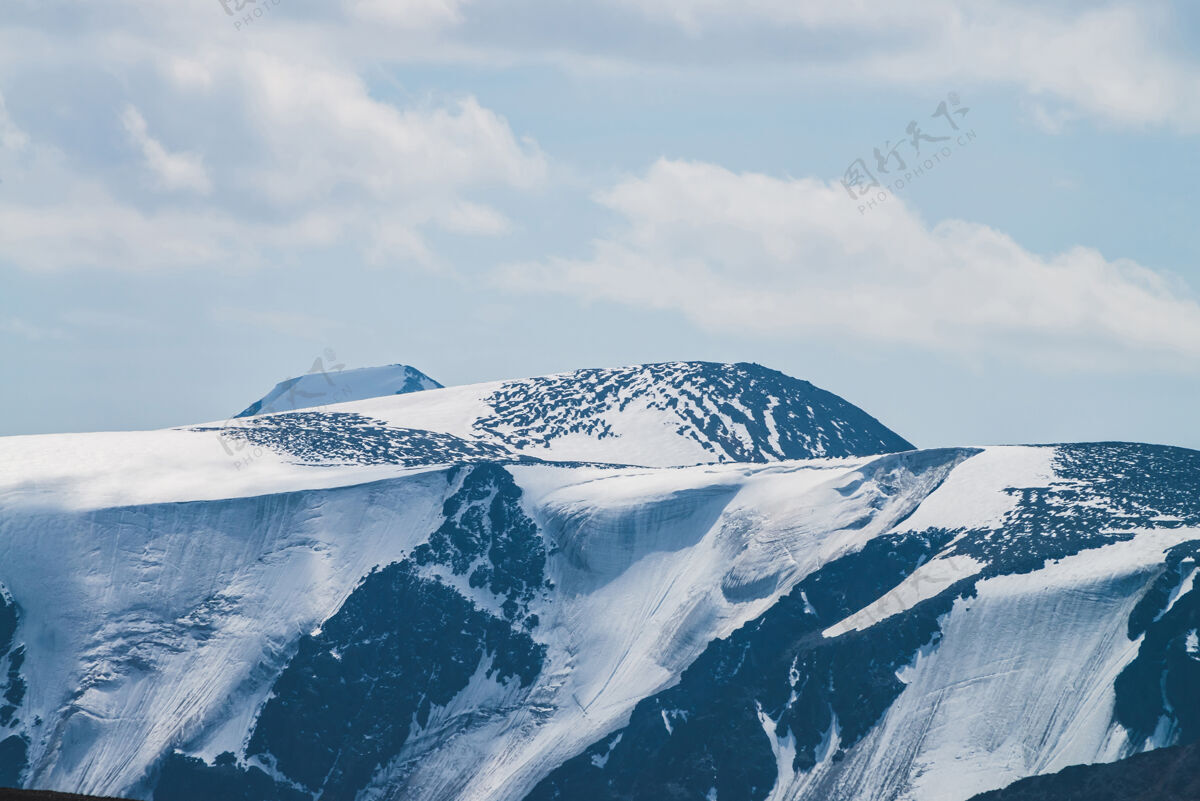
[{"x": 199, "y": 198}]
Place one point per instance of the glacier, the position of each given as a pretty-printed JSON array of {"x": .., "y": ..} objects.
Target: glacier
[{"x": 687, "y": 580}]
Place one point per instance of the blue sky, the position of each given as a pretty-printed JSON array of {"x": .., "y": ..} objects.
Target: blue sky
[{"x": 192, "y": 208}]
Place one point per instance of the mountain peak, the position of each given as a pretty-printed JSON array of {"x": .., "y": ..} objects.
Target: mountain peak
[
  {"x": 655, "y": 415},
  {"x": 734, "y": 412},
  {"x": 321, "y": 387}
]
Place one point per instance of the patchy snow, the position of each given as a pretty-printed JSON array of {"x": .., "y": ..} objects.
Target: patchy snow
[{"x": 599, "y": 760}]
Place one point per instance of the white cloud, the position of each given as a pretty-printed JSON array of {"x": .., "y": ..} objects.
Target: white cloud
[
  {"x": 1112, "y": 62},
  {"x": 1120, "y": 61},
  {"x": 1116, "y": 62},
  {"x": 102, "y": 320},
  {"x": 93, "y": 229},
  {"x": 414, "y": 14},
  {"x": 289, "y": 324},
  {"x": 99, "y": 231},
  {"x": 321, "y": 132},
  {"x": 30, "y": 332},
  {"x": 304, "y": 157},
  {"x": 173, "y": 171},
  {"x": 11, "y": 137},
  {"x": 794, "y": 258},
  {"x": 700, "y": 16},
  {"x": 307, "y": 152}
]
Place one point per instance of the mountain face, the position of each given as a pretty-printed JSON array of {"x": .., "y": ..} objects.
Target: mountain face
[
  {"x": 672, "y": 581},
  {"x": 940, "y": 660},
  {"x": 323, "y": 386}
]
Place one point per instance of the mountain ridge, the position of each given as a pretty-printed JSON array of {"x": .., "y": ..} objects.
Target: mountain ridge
[
  {"x": 660, "y": 414},
  {"x": 442, "y": 596}
]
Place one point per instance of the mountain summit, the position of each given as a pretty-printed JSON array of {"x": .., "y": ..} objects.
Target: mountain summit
[
  {"x": 673, "y": 413},
  {"x": 322, "y": 387},
  {"x": 730, "y": 412}
]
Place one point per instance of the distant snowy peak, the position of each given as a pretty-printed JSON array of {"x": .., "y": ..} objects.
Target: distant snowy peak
[
  {"x": 653, "y": 415},
  {"x": 723, "y": 412},
  {"x": 322, "y": 386}
]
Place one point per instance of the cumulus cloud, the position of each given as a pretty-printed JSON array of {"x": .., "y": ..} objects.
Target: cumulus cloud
[
  {"x": 11, "y": 137},
  {"x": 704, "y": 15},
  {"x": 1113, "y": 62},
  {"x": 1120, "y": 61},
  {"x": 173, "y": 171},
  {"x": 96, "y": 230},
  {"x": 745, "y": 252},
  {"x": 287, "y": 323},
  {"x": 28, "y": 331},
  {"x": 303, "y": 156},
  {"x": 321, "y": 133},
  {"x": 413, "y": 14},
  {"x": 307, "y": 147}
]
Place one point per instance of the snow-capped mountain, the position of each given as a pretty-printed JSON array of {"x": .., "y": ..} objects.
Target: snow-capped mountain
[
  {"x": 676, "y": 413},
  {"x": 326, "y": 384},
  {"x": 671, "y": 581}
]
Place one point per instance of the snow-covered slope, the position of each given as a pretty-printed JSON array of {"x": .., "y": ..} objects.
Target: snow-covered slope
[
  {"x": 394, "y": 599},
  {"x": 653, "y": 415},
  {"x": 167, "y": 624},
  {"x": 676, "y": 413},
  {"x": 322, "y": 386},
  {"x": 1052, "y": 624}
]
